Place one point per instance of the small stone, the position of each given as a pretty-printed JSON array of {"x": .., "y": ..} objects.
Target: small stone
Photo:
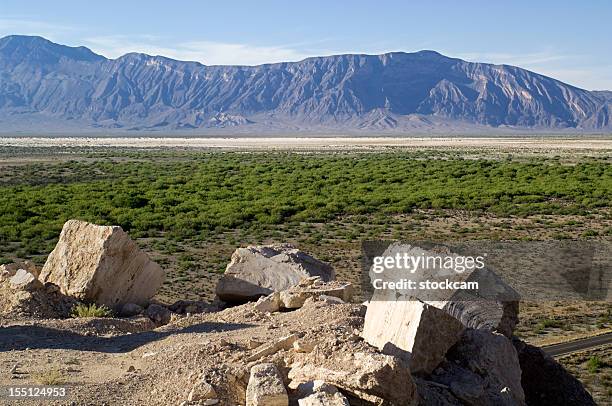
[
  {"x": 131, "y": 368},
  {"x": 252, "y": 343},
  {"x": 9, "y": 270},
  {"x": 130, "y": 309},
  {"x": 284, "y": 343},
  {"x": 304, "y": 346},
  {"x": 265, "y": 387},
  {"x": 24, "y": 280},
  {"x": 331, "y": 299},
  {"x": 269, "y": 304},
  {"x": 202, "y": 391},
  {"x": 159, "y": 314}
]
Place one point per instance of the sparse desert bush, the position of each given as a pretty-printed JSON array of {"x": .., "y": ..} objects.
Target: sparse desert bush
[
  {"x": 594, "y": 364},
  {"x": 51, "y": 377},
  {"x": 91, "y": 310}
]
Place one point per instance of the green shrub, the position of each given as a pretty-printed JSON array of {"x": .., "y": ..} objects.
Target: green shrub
[
  {"x": 91, "y": 310},
  {"x": 204, "y": 194},
  {"x": 52, "y": 377},
  {"x": 594, "y": 364}
]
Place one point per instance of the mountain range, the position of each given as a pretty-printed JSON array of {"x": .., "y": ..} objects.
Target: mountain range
[{"x": 47, "y": 87}]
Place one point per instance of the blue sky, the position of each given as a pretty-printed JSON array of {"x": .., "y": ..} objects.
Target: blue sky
[{"x": 571, "y": 41}]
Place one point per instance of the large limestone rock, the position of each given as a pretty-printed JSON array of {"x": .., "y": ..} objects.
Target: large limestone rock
[
  {"x": 258, "y": 271},
  {"x": 483, "y": 369},
  {"x": 412, "y": 329},
  {"x": 546, "y": 382},
  {"x": 266, "y": 387},
  {"x": 103, "y": 265},
  {"x": 493, "y": 306},
  {"x": 373, "y": 377}
]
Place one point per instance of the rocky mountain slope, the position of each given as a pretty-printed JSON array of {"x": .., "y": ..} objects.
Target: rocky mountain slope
[{"x": 48, "y": 86}]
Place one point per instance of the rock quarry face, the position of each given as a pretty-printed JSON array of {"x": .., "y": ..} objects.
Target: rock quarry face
[
  {"x": 101, "y": 264},
  {"x": 303, "y": 345},
  {"x": 258, "y": 271}
]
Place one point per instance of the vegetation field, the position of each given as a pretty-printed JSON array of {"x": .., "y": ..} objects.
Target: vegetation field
[{"x": 210, "y": 193}]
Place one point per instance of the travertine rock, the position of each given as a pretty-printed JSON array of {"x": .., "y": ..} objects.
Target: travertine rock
[
  {"x": 435, "y": 394},
  {"x": 411, "y": 329},
  {"x": 285, "y": 343},
  {"x": 266, "y": 387},
  {"x": 493, "y": 307},
  {"x": 9, "y": 270},
  {"x": 202, "y": 391},
  {"x": 324, "y": 398},
  {"x": 23, "y": 296},
  {"x": 295, "y": 297},
  {"x": 24, "y": 280},
  {"x": 103, "y": 265},
  {"x": 269, "y": 304},
  {"x": 130, "y": 309},
  {"x": 492, "y": 361},
  {"x": 259, "y": 271},
  {"x": 159, "y": 314},
  {"x": 192, "y": 307},
  {"x": 373, "y": 377},
  {"x": 318, "y": 393}
]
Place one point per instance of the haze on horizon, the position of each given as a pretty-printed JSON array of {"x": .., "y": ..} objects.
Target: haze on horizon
[{"x": 560, "y": 39}]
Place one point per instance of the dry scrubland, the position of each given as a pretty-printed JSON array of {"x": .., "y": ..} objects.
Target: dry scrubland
[{"x": 190, "y": 207}]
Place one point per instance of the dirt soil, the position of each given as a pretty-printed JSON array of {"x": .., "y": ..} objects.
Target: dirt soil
[{"x": 124, "y": 362}]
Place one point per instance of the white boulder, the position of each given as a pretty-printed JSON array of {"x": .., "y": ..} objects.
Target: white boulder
[
  {"x": 413, "y": 330},
  {"x": 258, "y": 271},
  {"x": 373, "y": 377},
  {"x": 101, "y": 264}
]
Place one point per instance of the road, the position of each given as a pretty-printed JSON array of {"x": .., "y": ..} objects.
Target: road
[{"x": 578, "y": 345}]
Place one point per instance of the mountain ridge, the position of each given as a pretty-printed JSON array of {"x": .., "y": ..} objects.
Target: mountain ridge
[{"x": 396, "y": 91}]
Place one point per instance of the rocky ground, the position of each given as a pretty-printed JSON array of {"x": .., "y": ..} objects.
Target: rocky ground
[
  {"x": 126, "y": 362},
  {"x": 298, "y": 340}
]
